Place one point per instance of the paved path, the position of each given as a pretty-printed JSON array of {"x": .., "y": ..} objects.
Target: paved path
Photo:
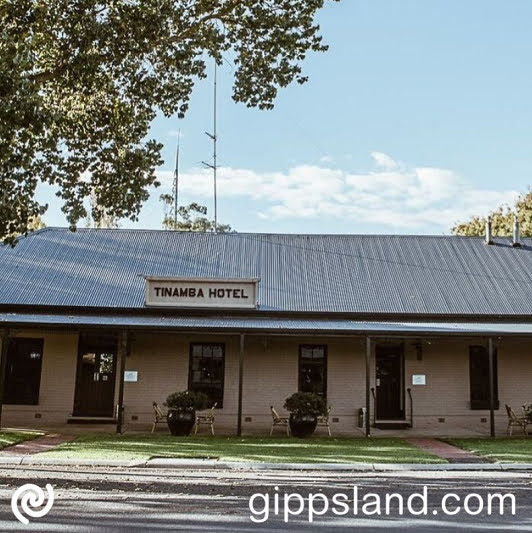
[
  {"x": 447, "y": 451},
  {"x": 41, "y": 444}
]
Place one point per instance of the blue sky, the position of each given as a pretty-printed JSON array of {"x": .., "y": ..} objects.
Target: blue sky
[{"x": 418, "y": 116}]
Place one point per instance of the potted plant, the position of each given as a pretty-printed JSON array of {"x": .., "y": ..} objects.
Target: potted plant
[
  {"x": 304, "y": 408},
  {"x": 182, "y": 408}
]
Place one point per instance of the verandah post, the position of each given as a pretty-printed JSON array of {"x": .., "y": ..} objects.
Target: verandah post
[
  {"x": 491, "y": 387},
  {"x": 368, "y": 360},
  {"x": 122, "y": 350},
  {"x": 3, "y": 367},
  {"x": 240, "y": 384}
]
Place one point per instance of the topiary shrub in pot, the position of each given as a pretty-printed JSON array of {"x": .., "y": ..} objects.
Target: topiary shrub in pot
[
  {"x": 304, "y": 408},
  {"x": 182, "y": 407}
]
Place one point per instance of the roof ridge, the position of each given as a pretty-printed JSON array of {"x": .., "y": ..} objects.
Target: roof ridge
[{"x": 266, "y": 234}]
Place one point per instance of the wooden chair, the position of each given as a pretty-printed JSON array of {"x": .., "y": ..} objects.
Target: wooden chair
[
  {"x": 514, "y": 420},
  {"x": 324, "y": 420},
  {"x": 206, "y": 420},
  {"x": 279, "y": 421},
  {"x": 527, "y": 411},
  {"x": 159, "y": 416}
]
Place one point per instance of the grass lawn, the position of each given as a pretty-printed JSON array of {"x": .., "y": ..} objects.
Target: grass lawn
[
  {"x": 259, "y": 449},
  {"x": 8, "y": 438},
  {"x": 503, "y": 450}
]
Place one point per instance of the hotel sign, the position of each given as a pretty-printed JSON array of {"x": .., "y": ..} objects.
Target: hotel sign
[{"x": 201, "y": 292}]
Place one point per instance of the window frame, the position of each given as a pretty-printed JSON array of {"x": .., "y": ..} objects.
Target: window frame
[
  {"x": 35, "y": 394},
  {"x": 219, "y": 401},
  {"x": 484, "y": 404},
  {"x": 325, "y": 367}
]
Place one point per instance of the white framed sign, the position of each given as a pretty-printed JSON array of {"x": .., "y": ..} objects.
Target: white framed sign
[
  {"x": 131, "y": 376},
  {"x": 419, "y": 379},
  {"x": 201, "y": 292}
]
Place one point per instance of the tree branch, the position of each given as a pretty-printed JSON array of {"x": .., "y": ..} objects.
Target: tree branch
[{"x": 220, "y": 15}]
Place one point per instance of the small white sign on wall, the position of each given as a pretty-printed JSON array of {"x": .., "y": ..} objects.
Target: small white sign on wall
[
  {"x": 131, "y": 376},
  {"x": 419, "y": 379}
]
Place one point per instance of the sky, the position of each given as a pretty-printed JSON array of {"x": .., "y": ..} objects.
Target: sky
[{"x": 417, "y": 117}]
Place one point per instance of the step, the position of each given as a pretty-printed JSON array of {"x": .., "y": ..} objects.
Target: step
[
  {"x": 392, "y": 424},
  {"x": 91, "y": 420}
]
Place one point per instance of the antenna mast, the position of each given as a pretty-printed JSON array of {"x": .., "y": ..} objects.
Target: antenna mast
[
  {"x": 176, "y": 181},
  {"x": 214, "y": 137}
]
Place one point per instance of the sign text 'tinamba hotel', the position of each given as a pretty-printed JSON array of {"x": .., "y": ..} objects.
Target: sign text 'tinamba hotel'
[{"x": 206, "y": 292}]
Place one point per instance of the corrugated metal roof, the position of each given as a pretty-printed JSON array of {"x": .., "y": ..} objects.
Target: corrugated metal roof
[
  {"x": 370, "y": 274},
  {"x": 274, "y": 325}
]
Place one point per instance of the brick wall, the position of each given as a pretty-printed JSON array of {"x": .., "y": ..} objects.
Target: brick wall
[
  {"x": 271, "y": 375},
  {"x": 58, "y": 375}
]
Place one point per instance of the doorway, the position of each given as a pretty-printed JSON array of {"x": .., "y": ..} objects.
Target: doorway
[
  {"x": 389, "y": 366},
  {"x": 95, "y": 383}
]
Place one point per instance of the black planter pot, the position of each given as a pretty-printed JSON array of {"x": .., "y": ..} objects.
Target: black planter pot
[
  {"x": 181, "y": 422},
  {"x": 302, "y": 425}
]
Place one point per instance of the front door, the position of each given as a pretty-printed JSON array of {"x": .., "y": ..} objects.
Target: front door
[
  {"x": 389, "y": 382},
  {"x": 95, "y": 385}
]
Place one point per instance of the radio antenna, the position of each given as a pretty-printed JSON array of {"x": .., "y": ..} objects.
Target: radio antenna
[
  {"x": 214, "y": 138},
  {"x": 176, "y": 180}
]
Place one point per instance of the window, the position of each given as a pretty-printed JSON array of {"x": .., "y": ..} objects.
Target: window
[
  {"x": 479, "y": 378},
  {"x": 23, "y": 371},
  {"x": 206, "y": 371},
  {"x": 313, "y": 369}
]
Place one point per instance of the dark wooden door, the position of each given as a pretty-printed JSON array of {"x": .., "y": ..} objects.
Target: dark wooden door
[
  {"x": 389, "y": 381},
  {"x": 95, "y": 386}
]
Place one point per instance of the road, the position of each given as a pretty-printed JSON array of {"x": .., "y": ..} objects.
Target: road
[{"x": 98, "y": 500}]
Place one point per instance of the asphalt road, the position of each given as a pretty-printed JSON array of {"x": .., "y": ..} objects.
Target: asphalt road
[{"x": 177, "y": 500}]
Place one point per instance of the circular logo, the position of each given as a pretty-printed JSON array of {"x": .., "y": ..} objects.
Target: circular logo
[{"x": 31, "y": 499}]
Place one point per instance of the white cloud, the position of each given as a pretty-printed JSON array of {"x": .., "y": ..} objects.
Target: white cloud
[
  {"x": 384, "y": 161},
  {"x": 326, "y": 159},
  {"x": 391, "y": 195}
]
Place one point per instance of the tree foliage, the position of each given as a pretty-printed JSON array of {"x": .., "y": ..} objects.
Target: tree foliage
[
  {"x": 103, "y": 218},
  {"x": 36, "y": 224},
  {"x": 502, "y": 220},
  {"x": 190, "y": 218},
  {"x": 82, "y": 80}
]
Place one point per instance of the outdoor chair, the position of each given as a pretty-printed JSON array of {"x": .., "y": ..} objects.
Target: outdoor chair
[
  {"x": 206, "y": 419},
  {"x": 159, "y": 416},
  {"x": 527, "y": 412},
  {"x": 323, "y": 420},
  {"x": 277, "y": 420},
  {"x": 514, "y": 420}
]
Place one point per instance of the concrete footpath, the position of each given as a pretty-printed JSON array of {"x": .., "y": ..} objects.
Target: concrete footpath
[
  {"x": 40, "y": 444},
  {"x": 207, "y": 464},
  {"x": 447, "y": 451}
]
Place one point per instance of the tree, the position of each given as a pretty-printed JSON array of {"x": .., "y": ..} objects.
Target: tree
[
  {"x": 103, "y": 220},
  {"x": 82, "y": 80},
  {"x": 36, "y": 224},
  {"x": 502, "y": 220},
  {"x": 189, "y": 222}
]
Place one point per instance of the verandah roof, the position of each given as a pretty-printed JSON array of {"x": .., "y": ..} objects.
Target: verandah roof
[{"x": 267, "y": 325}]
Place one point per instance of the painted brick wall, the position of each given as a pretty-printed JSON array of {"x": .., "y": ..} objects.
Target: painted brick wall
[
  {"x": 162, "y": 361},
  {"x": 56, "y": 398},
  {"x": 271, "y": 375}
]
